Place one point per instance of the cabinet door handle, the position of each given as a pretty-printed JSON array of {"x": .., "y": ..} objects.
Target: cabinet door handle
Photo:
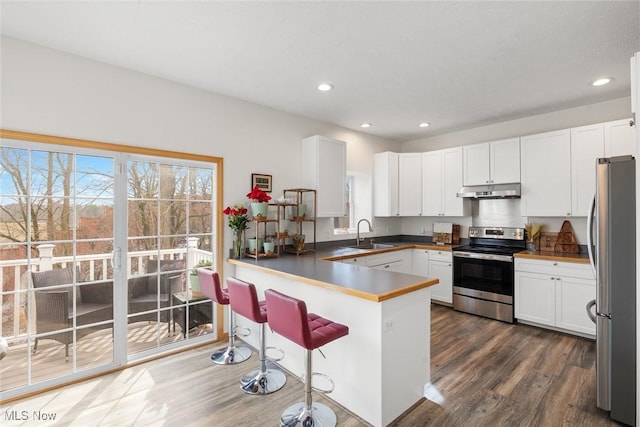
[
  {"x": 557, "y": 278},
  {"x": 552, "y": 278},
  {"x": 386, "y": 266}
]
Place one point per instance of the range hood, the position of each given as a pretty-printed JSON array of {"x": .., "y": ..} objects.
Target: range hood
[{"x": 491, "y": 191}]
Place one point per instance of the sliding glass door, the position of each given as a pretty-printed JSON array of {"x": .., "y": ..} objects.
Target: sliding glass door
[
  {"x": 96, "y": 253},
  {"x": 170, "y": 231}
]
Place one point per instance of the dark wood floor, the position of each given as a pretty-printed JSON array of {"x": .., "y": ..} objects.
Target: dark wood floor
[
  {"x": 489, "y": 373},
  {"x": 484, "y": 373}
]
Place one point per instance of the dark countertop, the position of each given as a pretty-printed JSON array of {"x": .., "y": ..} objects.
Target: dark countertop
[{"x": 321, "y": 269}]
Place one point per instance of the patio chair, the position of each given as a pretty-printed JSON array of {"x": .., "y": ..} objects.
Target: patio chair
[
  {"x": 143, "y": 291},
  {"x": 55, "y": 308}
]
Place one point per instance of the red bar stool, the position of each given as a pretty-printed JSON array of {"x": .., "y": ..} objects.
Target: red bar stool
[
  {"x": 288, "y": 317},
  {"x": 244, "y": 301},
  {"x": 210, "y": 288}
]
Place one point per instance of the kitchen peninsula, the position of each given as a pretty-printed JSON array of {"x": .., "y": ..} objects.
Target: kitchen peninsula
[{"x": 381, "y": 368}]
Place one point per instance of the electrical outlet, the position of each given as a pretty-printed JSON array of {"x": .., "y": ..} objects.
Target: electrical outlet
[{"x": 388, "y": 325}]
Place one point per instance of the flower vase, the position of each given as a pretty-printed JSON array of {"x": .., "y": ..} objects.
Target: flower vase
[
  {"x": 237, "y": 249},
  {"x": 259, "y": 209}
]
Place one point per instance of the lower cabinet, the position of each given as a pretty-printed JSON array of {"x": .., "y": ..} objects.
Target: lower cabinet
[
  {"x": 437, "y": 264},
  {"x": 554, "y": 294},
  {"x": 441, "y": 267}
]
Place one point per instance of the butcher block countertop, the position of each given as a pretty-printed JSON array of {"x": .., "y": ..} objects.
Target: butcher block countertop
[
  {"x": 321, "y": 269},
  {"x": 554, "y": 256}
]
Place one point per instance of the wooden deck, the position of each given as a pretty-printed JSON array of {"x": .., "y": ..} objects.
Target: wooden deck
[
  {"x": 92, "y": 350},
  {"x": 484, "y": 373}
]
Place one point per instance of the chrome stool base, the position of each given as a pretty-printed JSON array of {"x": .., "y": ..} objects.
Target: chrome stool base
[
  {"x": 231, "y": 355},
  {"x": 299, "y": 415},
  {"x": 258, "y": 382}
]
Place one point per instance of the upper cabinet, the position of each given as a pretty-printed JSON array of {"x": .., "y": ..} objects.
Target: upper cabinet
[
  {"x": 441, "y": 180},
  {"x": 619, "y": 138},
  {"x": 495, "y": 162},
  {"x": 559, "y": 168},
  {"x": 385, "y": 184},
  {"x": 546, "y": 174},
  {"x": 587, "y": 144},
  {"x": 410, "y": 184},
  {"x": 324, "y": 168}
]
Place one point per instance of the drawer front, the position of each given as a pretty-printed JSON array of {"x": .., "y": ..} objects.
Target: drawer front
[
  {"x": 555, "y": 268},
  {"x": 385, "y": 258},
  {"x": 356, "y": 261},
  {"x": 572, "y": 269},
  {"x": 444, "y": 256}
]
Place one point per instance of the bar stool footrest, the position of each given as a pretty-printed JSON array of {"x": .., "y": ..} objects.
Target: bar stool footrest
[
  {"x": 318, "y": 389},
  {"x": 241, "y": 331},
  {"x": 274, "y": 359}
]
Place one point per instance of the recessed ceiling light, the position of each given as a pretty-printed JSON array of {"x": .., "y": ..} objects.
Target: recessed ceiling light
[
  {"x": 365, "y": 125},
  {"x": 602, "y": 81},
  {"x": 325, "y": 87},
  {"x": 424, "y": 125}
]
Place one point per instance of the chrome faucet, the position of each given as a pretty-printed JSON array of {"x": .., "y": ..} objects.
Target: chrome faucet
[{"x": 358, "y": 240}]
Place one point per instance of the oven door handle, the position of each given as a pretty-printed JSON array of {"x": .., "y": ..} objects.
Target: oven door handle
[{"x": 490, "y": 257}]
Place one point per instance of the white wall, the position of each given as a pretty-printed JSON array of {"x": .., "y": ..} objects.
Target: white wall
[{"x": 51, "y": 92}]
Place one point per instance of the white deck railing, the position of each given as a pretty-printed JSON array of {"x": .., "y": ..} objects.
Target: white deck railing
[{"x": 95, "y": 264}]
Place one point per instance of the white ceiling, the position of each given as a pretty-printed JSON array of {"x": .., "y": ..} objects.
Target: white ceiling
[{"x": 455, "y": 64}]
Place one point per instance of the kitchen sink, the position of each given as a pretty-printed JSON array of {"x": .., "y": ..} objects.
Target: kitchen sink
[{"x": 374, "y": 246}]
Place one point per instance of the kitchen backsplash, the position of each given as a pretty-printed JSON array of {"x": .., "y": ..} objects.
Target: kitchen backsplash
[{"x": 496, "y": 212}]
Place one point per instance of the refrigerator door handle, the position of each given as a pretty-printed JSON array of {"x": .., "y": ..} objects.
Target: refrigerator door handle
[
  {"x": 591, "y": 314},
  {"x": 590, "y": 241}
]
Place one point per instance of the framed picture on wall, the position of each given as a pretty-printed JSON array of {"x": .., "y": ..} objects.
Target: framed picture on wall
[{"x": 262, "y": 181}]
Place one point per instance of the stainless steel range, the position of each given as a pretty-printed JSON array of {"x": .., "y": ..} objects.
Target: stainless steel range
[{"x": 483, "y": 272}]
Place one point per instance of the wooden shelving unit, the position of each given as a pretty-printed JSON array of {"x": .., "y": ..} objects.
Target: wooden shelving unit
[
  {"x": 310, "y": 198},
  {"x": 280, "y": 237},
  {"x": 261, "y": 232}
]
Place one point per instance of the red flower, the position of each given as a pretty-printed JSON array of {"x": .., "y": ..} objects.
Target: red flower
[
  {"x": 257, "y": 195},
  {"x": 238, "y": 219}
]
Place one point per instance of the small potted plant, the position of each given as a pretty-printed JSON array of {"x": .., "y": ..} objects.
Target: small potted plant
[
  {"x": 533, "y": 231},
  {"x": 193, "y": 277},
  {"x": 259, "y": 202}
]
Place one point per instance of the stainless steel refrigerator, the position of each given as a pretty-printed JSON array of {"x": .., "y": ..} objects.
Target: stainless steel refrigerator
[{"x": 612, "y": 250}]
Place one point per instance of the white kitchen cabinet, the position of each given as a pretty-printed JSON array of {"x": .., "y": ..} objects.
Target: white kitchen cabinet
[
  {"x": 441, "y": 181},
  {"x": 324, "y": 168},
  {"x": 410, "y": 184},
  {"x": 554, "y": 294},
  {"x": 546, "y": 174},
  {"x": 495, "y": 162},
  {"x": 572, "y": 296},
  {"x": 535, "y": 298},
  {"x": 619, "y": 138},
  {"x": 385, "y": 184},
  {"x": 432, "y": 186},
  {"x": 441, "y": 267},
  {"x": 420, "y": 262},
  {"x": 587, "y": 144}
]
